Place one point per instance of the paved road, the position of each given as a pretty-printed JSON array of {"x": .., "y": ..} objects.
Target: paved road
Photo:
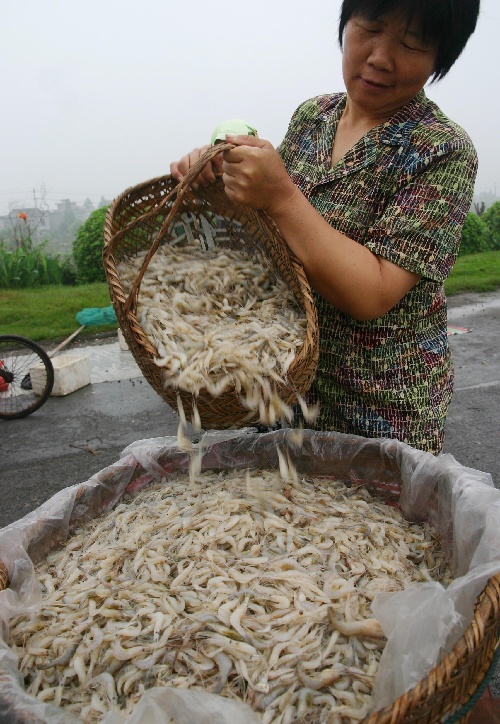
[
  {"x": 45, "y": 452},
  {"x": 473, "y": 426}
]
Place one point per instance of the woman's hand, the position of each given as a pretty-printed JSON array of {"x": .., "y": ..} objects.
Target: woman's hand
[
  {"x": 208, "y": 175},
  {"x": 252, "y": 171},
  {"x": 254, "y": 174}
]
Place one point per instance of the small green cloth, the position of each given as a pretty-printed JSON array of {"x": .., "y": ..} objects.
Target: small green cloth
[
  {"x": 96, "y": 316},
  {"x": 235, "y": 127}
]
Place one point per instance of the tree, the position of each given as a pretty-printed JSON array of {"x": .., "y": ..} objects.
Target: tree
[
  {"x": 87, "y": 248},
  {"x": 491, "y": 218},
  {"x": 475, "y": 235},
  {"x": 68, "y": 224},
  {"x": 480, "y": 208}
]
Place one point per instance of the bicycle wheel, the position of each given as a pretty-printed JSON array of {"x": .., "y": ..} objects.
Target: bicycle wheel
[{"x": 26, "y": 376}]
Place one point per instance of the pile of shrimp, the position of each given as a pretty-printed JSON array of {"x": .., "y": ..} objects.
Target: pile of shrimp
[
  {"x": 219, "y": 319},
  {"x": 240, "y": 583}
]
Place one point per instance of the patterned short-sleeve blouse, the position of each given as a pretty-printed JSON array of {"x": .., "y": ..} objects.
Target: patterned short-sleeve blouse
[{"x": 403, "y": 191}]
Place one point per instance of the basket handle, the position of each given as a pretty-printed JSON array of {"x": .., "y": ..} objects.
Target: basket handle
[
  {"x": 182, "y": 189},
  {"x": 200, "y": 164}
]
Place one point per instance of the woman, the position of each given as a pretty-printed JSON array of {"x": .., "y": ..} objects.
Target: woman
[{"x": 370, "y": 189}]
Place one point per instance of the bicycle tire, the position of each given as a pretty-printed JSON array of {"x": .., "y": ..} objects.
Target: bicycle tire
[{"x": 23, "y": 362}]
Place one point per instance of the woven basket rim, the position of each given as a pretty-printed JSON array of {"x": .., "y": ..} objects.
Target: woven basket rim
[
  {"x": 4, "y": 577},
  {"x": 448, "y": 671}
]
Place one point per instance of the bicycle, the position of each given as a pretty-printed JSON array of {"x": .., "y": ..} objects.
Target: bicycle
[{"x": 26, "y": 376}]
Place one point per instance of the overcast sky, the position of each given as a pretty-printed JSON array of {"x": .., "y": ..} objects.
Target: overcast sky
[{"x": 100, "y": 95}]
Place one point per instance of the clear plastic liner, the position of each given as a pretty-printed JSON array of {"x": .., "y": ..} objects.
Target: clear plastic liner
[{"x": 422, "y": 622}]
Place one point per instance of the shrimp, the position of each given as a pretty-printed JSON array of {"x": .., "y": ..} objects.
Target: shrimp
[{"x": 195, "y": 582}]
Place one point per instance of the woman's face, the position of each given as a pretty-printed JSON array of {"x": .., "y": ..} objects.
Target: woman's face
[{"x": 385, "y": 64}]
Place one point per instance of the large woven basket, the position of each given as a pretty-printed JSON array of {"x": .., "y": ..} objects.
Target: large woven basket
[
  {"x": 451, "y": 685},
  {"x": 149, "y": 215},
  {"x": 446, "y": 692}
]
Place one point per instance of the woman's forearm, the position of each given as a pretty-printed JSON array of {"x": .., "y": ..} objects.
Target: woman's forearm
[{"x": 344, "y": 272}]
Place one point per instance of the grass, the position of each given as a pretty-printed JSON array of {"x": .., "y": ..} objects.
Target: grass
[
  {"x": 475, "y": 273},
  {"x": 48, "y": 313}
]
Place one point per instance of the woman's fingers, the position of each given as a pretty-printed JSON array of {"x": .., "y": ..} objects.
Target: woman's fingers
[
  {"x": 243, "y": 168},
  {"x": 248, "y": 141},
  {"x": 211, "y": 171},
  {"x": 180, "y": 168},
  {"x": 254, "y": 174},
  {"x": 217, "y": 164}
]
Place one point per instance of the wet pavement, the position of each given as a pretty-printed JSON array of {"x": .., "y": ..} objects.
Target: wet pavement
[
  {"x": 72, "y": 437},
  {"x": 473, "y": 425}
]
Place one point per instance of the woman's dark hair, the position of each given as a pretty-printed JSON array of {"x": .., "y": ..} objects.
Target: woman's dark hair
[{"x": 447, "y": 24}]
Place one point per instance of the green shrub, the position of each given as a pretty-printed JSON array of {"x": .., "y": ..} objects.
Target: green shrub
[
  {"x": 475, "y": 235},
  {"x": 87, "y": 248},
  {"x": 28, "y": 266},
  {"x": 491, "y": 218},
  {"x": 68, "y": 272}
]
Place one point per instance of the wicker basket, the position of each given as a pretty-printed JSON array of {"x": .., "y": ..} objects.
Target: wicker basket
[
  {"x": 447, "y": 692},
  {"x": 451, "y": 684},
  {"x": 148, "y": 215},
  {"x": 4, "y": 577}
]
